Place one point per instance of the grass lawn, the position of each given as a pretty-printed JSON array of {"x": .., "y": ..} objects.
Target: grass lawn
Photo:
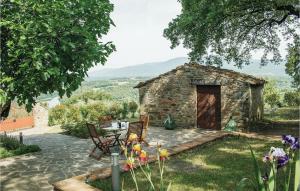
[
  {"x": 284, "y": 113},
  {"x": 218, "y": 165}
]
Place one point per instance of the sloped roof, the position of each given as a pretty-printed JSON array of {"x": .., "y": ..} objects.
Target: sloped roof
[{"x": 225, "y": 72}]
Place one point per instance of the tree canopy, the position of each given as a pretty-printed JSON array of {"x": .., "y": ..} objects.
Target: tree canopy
[
  {"x": 218, "y": 31},
  {"x": 48, "y": 46},
  {"x": 293, "y": 62}
]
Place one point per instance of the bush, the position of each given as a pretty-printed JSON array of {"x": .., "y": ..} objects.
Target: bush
[
  {"x": 26, "y": 149},
  {"x": 271, "y": 94},
  {"x": 72, "y": 114},
  {"x": 96, "y": 110},
  {"x": 115, "y": 110},
  {"x": 132, "y": 106},
  {"x": 57, "y": 115},
  {"x": 10, "y": 146},
  {"x": 78, "y": 130},
  {"x": 292, "y": 98},
  {"x": 125, "y": 110},
  {"x": 86, "y": 96},
  {"x": 9, "y": 142}
]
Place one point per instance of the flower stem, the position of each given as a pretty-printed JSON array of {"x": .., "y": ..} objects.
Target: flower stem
[
  {"x": 148, "y": 176},
  {"x": 275, "y": 175},
  {"x": 134, "y": 179}
]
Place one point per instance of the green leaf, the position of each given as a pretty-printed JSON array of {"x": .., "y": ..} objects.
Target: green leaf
[
  {"x": 169, "y": 186},
  {"x": 297, "y": 174},
  {"x": 257, "y": 172},
  {"x": 271, "y": 181},
  {"x": 241, "y": 185}
]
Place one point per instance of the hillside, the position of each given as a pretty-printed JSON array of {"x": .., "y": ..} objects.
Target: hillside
[
  {"x": 142, "y": 70},
  {"x": 156, "y": 68}
]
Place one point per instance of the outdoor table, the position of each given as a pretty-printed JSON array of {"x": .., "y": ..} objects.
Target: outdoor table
[{"x": 116, "y": 131}]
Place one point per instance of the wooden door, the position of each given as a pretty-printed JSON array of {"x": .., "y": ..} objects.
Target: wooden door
[{"x": 208, "y": 107}]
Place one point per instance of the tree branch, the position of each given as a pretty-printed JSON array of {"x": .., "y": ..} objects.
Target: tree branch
[
  {"x": 290, "y": 8},
  {"x": 271, "y": 21}
]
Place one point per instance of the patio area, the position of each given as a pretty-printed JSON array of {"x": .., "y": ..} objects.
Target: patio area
[{"x": 64, "y": 156}]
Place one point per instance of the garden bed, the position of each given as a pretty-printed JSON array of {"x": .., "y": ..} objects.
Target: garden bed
[
  {"x": 218, "y": 165},
  {"x": 10, "y": 146}
]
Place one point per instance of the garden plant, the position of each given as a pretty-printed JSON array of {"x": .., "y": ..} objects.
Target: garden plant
[
  {"x": 137, "y": 157},
  {"x": 280, "y": 160}
]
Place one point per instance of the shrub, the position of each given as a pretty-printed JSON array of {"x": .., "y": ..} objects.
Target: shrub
[
  {"x": 57, "y": 115},
  {"x": 5, "y": 153},
  {"x": 292, "y": 98},
  {"x": 9, "y": 142},
  {"x": 86, "y": 96},
  {"x": 78, "y": 130},
  {"x": 73, "y": 115},
  {"x": 84, "y": 113},
  {"x": 115, "y": 110},
  {"x": 132, "y": 106},
  {"x": 96, "y": 110},
  {"x": 10, "y": 146},
  {"x": 125, "y": 110},
  {"x": 271, "y": 94},
  {"x": 23, "y": 149}
]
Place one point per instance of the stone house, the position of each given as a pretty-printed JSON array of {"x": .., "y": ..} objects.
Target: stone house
[{"x": 202, "y": 96}]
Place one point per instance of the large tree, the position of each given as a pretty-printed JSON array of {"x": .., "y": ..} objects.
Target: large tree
[
  {"x": 293, "y": 62},
  {"x": 228, "y": 30},
  {"x": 48, "y": 46}
]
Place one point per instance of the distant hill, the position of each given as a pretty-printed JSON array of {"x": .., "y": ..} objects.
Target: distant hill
[
  {"x": 156, "y": 68},
  {"x": 142, "y": 70},
  {"x": 270, "y": 70}
]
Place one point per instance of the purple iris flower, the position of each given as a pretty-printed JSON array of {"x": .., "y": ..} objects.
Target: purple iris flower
[
  {"x": 282, "y": 161},
  {"x": 290, "y": 140},
  {"x": 295, "y": 146}
]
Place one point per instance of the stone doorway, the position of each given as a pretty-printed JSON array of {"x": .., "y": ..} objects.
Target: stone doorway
[{"x": 209, "y": 107}]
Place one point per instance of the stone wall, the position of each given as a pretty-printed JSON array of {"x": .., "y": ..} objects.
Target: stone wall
[
  {"x": 256, "y": 102},
  {"x": 173, "y": 93}
]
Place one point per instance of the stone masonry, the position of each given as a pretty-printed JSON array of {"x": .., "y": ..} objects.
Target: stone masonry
[{"x": 173, "y": 93}]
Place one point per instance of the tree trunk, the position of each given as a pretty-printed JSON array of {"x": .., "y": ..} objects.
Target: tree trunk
[{"x": 4, "y": 110}]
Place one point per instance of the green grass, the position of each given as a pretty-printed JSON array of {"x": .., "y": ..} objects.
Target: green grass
[
  {"x": 284, "y": 113},
  {"x": 10, "y": 146},
  {"x": 218, "y": 165},
  {"x": 4, "y": 153}
]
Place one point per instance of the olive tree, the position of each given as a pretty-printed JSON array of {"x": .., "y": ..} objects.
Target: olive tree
[
  {"x": 217, "y": 31},
  {"x": 48, "y": 46}
]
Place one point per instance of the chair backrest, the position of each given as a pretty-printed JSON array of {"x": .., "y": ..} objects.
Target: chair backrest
[
  {"x": 145, "y": 120},
  {"x": 92, "y": 130},
  {"x": 105, "y": 121},
  {"x": 136, "y": 128}
]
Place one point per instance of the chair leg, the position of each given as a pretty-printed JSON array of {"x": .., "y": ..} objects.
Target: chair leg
[
  {"x": 92, "y": 154},
  {"x": 146, "y": 143}
]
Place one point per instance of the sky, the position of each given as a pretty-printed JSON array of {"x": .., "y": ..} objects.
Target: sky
[{"x": 138, "y": 34}]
